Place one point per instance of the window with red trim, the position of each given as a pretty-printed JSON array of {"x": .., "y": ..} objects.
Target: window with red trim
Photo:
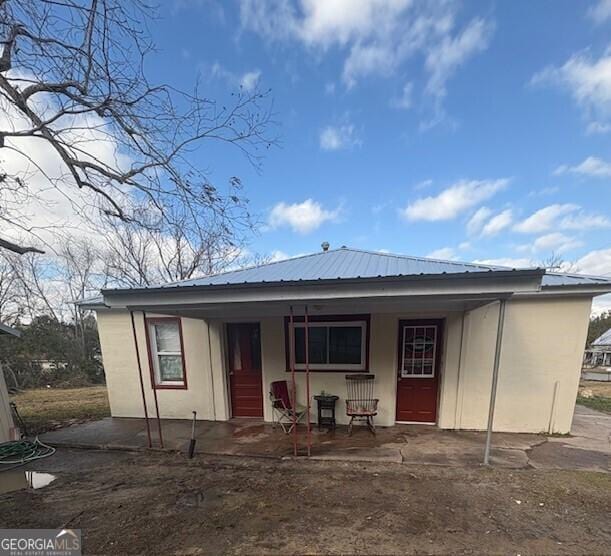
[
  {"x": 337, "y": 343},
  {"x": 165, "y": 344}
]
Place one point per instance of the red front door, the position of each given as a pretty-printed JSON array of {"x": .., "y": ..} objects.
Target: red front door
[
  {"x": 419, "y": 359},
  {"x": 244, "y": 347}
]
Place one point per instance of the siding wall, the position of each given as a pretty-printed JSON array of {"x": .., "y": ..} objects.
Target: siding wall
[{"x": 542, "y": 351}]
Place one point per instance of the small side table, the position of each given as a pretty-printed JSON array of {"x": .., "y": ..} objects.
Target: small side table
[{"x": 326, "y": 411}]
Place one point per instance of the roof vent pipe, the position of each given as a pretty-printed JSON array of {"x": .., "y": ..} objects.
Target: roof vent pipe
[{"x": 325, "y": 246}]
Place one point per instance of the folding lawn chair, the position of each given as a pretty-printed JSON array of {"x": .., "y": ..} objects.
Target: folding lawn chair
[{"x": 283, "y": 407}]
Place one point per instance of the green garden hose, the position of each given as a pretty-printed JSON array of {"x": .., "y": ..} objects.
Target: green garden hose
[{"x": 18, "y": 452}]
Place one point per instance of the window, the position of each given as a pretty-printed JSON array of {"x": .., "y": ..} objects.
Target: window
[
  {"x": 165, "y": 345},
  {"x": 418, "y": 351},
  {"x": 334, "y": 344}
]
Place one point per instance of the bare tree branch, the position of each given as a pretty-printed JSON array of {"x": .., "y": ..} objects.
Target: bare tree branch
[
  {"x": 72, "y": 77},
  {"x": 20, "y": 249}
]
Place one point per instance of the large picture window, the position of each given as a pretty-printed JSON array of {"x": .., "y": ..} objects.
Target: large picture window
[
  {"x": 165, "y": 347},
  {"x": 335, "y": 343}
]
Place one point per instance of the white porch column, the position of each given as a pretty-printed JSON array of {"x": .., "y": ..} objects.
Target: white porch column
[{"x": 495, "y": 378}]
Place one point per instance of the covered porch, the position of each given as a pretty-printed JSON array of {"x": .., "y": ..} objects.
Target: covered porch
[{"x": 587, "y": 448}]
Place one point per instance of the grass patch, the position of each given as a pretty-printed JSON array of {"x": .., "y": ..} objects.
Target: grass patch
[
  {"x": 45, "y": 409},
  {"x": 596, "y": 402}
]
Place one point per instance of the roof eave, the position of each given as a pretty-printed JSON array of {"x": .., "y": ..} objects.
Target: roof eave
[{"x": 348, "y": 281}]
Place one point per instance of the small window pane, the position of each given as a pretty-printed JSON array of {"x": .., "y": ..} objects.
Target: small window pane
[
  {"x": 167, "y": 337},
  {"x": 170, "y": 368},
  {"x": 345, "y": 344},
  {"x": 317, "y": 340}
]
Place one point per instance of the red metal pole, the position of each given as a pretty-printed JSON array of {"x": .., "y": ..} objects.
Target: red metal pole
[
  {"x": 292, "y": 363},
  {"x": 307, "y": 369},
  {"x": 153, "y": 383},
  {"x": 146, "y": 413}
]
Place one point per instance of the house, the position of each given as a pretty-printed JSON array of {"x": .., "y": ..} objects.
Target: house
[
  {"x": 449, "y": 343},
  {"x": 7, "y": 427},
  {"x": 597, "y": 359}
]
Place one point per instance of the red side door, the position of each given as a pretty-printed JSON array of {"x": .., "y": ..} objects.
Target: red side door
[
  {"x": 420, "y": 343},
  {"x": 244, "y": 347}
]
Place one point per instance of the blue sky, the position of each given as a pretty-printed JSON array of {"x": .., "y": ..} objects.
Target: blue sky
[{"x": 472, "y": 130}]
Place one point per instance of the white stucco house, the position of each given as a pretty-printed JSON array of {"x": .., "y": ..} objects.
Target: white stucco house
[{"x": 436, "y": 335}]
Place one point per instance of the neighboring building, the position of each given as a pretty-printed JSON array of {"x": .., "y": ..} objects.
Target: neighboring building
[
  {"x": 597, "y": 359},
  {"x": 426, "y": 328},
  {"x": 7, "y": 427}
]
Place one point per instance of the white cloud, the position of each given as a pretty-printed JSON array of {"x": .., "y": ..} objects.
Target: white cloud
[
  {"x": 566, "y": 216},
  {"x": 584, "y": 221},
  {"x": 597, "y": 127},
  {"x": 498, "y": 223},
  {"x": 335, "y": 138},
  {"x": 277, "y": 255},
  {"x": 445, "y": 253},
  {"x": 404, "y": 101},
  {"x": 591, "y": 166},
  {"x": 250, "y": 80},
  {"x": 509, "y": 262},
  {"x": 477, "y": 221},
  {"x": 601, "y": 304},
  {"x": 301, "y": 217},
  {"x": 423, "y": 184},
  {"x": 544, "y": 218},
  {"x": 376, "y": 36},
  {"x": 556, "y": 242},
  {"x": 454, "y": 200},
  {"x": 588, "y": 80},
  {"x": 543, "y": 191},
  {"x": 595, "y": 263},
  {"x": 444, "y": 58},
  {"x": 600, "y": 11}
]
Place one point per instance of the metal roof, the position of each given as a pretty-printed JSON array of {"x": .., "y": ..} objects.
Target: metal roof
[
  {"x": 9, "y": 330},
  {"x": 552, "y": 279},
  {"x": 350, "y": 264},
  {"x": 604, "y": 340},
  {"x": 343, "y": 263}
]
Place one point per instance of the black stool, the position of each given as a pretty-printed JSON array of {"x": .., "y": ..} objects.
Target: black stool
[{"x": 326, "y": 410}]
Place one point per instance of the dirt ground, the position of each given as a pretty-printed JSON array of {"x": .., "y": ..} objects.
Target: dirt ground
[
  {"x": 152, "y": 503},
  {"x": 44, "y": 409}
]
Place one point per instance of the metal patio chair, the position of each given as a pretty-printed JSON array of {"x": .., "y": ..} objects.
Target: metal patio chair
[
  {"x": 283, "y": 408},
  {"x": 360, "y": 403}
]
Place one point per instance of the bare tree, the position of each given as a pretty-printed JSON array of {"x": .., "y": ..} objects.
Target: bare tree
[
  {"x": 72, "y": 78},
  {"x": 554, "y": 262},
  {"x": 37, "y": 286},
  {"x": 10, "y": 298},
  {"x": 137, "y": 255}
]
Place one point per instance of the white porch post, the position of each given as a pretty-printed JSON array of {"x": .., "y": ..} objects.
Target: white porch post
[{"x": 495, "y": 378}]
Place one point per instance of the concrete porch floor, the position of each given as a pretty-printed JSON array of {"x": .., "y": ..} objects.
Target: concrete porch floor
[{"x": 587, "y": 448}]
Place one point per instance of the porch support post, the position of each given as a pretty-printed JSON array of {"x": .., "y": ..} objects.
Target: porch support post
[
  {"x": 146, "y": 413},
  {"x": 293, "y": 385},
  {"x": 495, "y": 378},
  {"x": 307, "y": 373},
  {"x": 153, "y": 386}
]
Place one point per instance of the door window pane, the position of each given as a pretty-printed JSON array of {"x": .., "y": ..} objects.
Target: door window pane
[{"x": 345, "y": 344}]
